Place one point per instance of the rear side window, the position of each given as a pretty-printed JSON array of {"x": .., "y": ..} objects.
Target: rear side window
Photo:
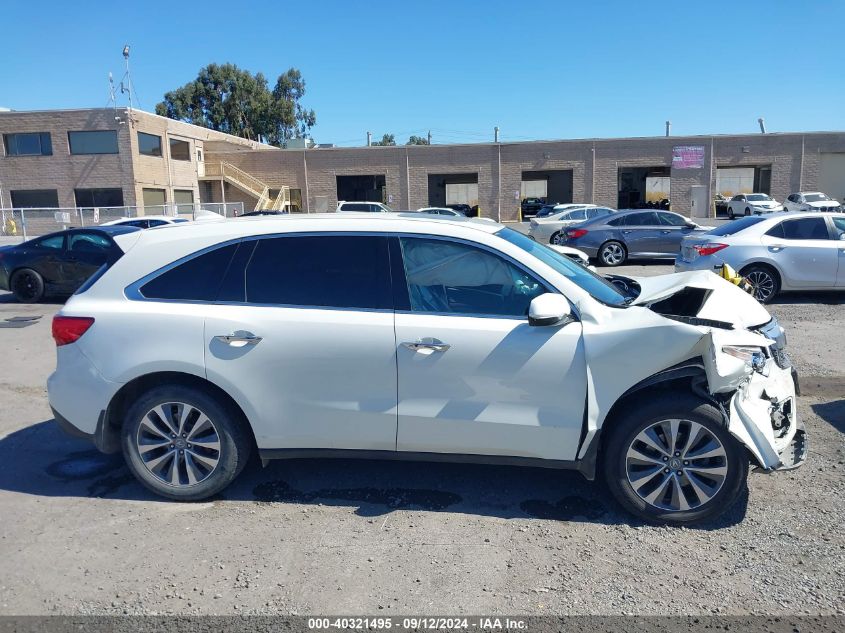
[
  {"x": 670, "y": 219},
  {"x": 337, "y": 271},
  {"x": 732, "y": 228},
  {"x": 196, "y": 279},
  {"x": 805, "y": 229}
]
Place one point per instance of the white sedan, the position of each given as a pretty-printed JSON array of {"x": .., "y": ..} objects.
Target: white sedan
[
  {"x": 146, "y": 221},
  {"x": 811, "y": 201},
  {"x": 752, "y": 203},
  {"x": 548, "y": 230}
]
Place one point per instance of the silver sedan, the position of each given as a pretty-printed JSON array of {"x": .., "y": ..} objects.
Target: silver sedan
[
  {"x": 775, "y": 253},
  {"x": 549, "y": 230}
]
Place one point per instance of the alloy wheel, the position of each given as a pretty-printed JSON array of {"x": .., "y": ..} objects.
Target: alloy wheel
[
  {"x": 676, "y": 465},
  {"x": 557, "y": 239},
  {"x": 26, "y": 285},
  {"x": 762, "y": 284},
  {"x": 612, "y": 254},
  {"x": 178, "y": 444}
]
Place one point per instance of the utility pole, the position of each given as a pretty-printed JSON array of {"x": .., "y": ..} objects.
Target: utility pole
[
  {"x": 369, "y": 139},
  {"x": 429, "y": 137},
  {"x": 668, "y": 128},
  {"x": 496, "y": 134}
]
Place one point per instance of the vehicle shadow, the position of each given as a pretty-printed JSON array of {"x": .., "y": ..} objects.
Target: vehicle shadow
[
  {"x": 41, "y": 460},
  {"x": 831, "y": 412}
]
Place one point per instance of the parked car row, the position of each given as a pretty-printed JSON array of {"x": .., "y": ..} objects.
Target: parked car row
[{"x": 746, "y": 204}]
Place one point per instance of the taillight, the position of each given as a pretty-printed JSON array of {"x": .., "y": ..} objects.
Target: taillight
[
  {"x": 576, "y": 233},
  {"x": 708, "y": 249},
  {"x": 67, "y": 329}
]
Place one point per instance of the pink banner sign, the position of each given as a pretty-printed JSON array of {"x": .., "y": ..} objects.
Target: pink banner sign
[{"x": 688, "y": 156}]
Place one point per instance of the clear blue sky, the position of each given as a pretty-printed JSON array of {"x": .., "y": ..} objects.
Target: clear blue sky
[{"x": 538, "y": 70}]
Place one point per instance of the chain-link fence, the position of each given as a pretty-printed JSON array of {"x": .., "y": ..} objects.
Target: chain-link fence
[{"x": 17, "y": 225}]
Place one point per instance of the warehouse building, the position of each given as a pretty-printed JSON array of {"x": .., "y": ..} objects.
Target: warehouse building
[{"x": 108, "y": 157}]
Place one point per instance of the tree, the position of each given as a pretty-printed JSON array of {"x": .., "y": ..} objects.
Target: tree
[
  {"x": 387, "y": 139},
  {"x": 417, "y": 140},
  {"x": 228, "y": 99}
]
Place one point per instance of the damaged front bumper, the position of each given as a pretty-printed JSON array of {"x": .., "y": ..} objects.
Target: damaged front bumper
[{"x": 763, "y": 415}]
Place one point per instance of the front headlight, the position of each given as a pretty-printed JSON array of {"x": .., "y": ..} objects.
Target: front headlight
[{"x": 754, "y": 357}]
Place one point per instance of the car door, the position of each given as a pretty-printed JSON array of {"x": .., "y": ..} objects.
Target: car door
[
  {"x": 839, "y": 237},
  {"x": 303, "y": 332},
  {"x": 474, "y": 377},
  {"x": 805, "y": 252},
  {"x": 86, "y": 252},
  {"x": 45, "y": 256},
  {"x": 641, "y": 233},
  {"x": 673, "y": 229}
]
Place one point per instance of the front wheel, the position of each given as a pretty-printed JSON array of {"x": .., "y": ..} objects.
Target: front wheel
[
  {"x": 673, "y": 461},
  {"x": 731, "y": 215},
  {"x": 747, "y": 211},
  {"x": 182, "y": 443}
]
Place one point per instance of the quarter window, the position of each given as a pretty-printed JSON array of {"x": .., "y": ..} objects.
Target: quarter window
[
  {"x": 28, "y": 144},
  {"x": 93, "y": 142},
  {"x": 337, "y": 271},
  {"x": 196, "y": 279},
  {"x": 451, "y": 277}
]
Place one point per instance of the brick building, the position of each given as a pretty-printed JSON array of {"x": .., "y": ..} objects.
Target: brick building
[{"x": 88, "y": 157}]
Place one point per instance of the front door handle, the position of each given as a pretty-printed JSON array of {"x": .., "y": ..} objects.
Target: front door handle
[
  {"x": 239, "y": 339},
  {"x": 427, "y": 346},
  {"x": 666, "y": 231},
  {"x": 626, "y": 232},
  {"x": 776, "y": 248}
]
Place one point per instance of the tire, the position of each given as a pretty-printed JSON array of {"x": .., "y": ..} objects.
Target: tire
[
  {"x": 203, "y": 470},
  {"x": 694, "y": 490},
  {"x": 747, "y": 212},
  {"x": 612, "y": 253},
  {"x": 555, "y": 238},
  {"x": 27, "y": 286},
  {"x": 764, "y": 280},
  {"x": 731, "y": 215}
]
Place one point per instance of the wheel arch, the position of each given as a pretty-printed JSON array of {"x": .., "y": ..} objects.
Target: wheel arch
[
  {"x": 124, "y": 397},
  {"x": 765, "y": 264}
]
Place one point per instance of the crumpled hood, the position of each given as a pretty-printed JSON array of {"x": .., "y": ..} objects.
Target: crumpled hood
[{"x": 725, "y": 301}]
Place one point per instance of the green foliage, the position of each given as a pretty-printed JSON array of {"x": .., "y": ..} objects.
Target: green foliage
[
  {"x": 417, "y": 140},
  {"x": 387, "y": 139},
  {"x": 229, "y": 99}
]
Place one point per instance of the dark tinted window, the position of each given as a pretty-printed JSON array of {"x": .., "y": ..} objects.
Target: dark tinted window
[
  {"x": 28, "y": 144},
  {"x": 153, "y": 223},
  {"x": 355, "y": 206},
  {"x": 35, "y": 198},
  {"x": 647, "y": 218},
  {"x": 149, "y": 144},
  {"x": 805, "y": 229},
  {"x": 89, "y": 243},
  {"x": 93, "y": 142},
  {"x": 180, "y": 150},
  {"x": 196, "y": 279},
  {"x": 670, "y": 219},
  {"x": 451, "y": 277},
  {"x": 775, "y": 231},
  {"x": 735, "y": 226},
  {"x": 340, "y": 271},
  {"x": 52, "y": 241},
  {"x": 98, "y": 197}
]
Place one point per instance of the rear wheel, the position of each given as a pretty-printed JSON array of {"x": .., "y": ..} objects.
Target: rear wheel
[
  {"x": 181, "y": 443},
  {"x": 673, "y": 461},
  {"x": 557, "y": 239},
  {"x": 612, "y": 253},
  {"x": 764, "y": 282},
  {"x": 27, "y": 286}
]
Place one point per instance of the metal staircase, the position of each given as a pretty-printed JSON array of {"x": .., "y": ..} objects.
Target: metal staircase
[{"x": 249, "y": 184}]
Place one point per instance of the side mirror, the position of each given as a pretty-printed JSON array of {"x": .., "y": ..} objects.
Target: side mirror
[
  {"x": 549, "y": 309},
  {"x": 691, "y": 225},
  {"x": 842, "y": 236}
]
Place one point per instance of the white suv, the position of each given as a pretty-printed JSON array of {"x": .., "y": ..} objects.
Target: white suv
[{"x": 405, "y": 336}]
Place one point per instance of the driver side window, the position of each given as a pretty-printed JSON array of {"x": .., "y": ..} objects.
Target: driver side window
[{"x": 452, "y": 277}]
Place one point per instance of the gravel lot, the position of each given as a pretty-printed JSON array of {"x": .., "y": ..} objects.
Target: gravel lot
[{"x": 79, "y": 536}]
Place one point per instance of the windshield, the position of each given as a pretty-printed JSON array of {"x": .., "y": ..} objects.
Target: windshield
[
  {"x": 598, "y": 287},
  {"x": 730, "y": 228},
  {"x": 815, "y": 197},
  {"x": 757, "y": 197}
]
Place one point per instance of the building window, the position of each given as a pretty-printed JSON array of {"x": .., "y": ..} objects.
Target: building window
[
  {"x": 87, "y": 198},
  {"x": 180, "y": 150},
  {"x": 28, "y": 144},
  {"x": 93, "y": 142},
  {"x": 155, "y": 198},
  {"x": 149, "y": 144},
  {"x": 184, "y": 199},
  {"x": 35, "y": 198}
]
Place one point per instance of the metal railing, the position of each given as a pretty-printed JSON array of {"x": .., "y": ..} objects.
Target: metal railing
[{"x": 21, "y": 224}]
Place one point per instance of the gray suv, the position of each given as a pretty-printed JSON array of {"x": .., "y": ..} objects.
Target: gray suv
[{"x": 631, "y": 234}]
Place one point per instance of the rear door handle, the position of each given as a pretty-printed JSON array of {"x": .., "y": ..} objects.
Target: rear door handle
[
  {"x": 239, "y": 339},
  {"x": 427, "y": 346},
  {"x": 776, "y": 247}
]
